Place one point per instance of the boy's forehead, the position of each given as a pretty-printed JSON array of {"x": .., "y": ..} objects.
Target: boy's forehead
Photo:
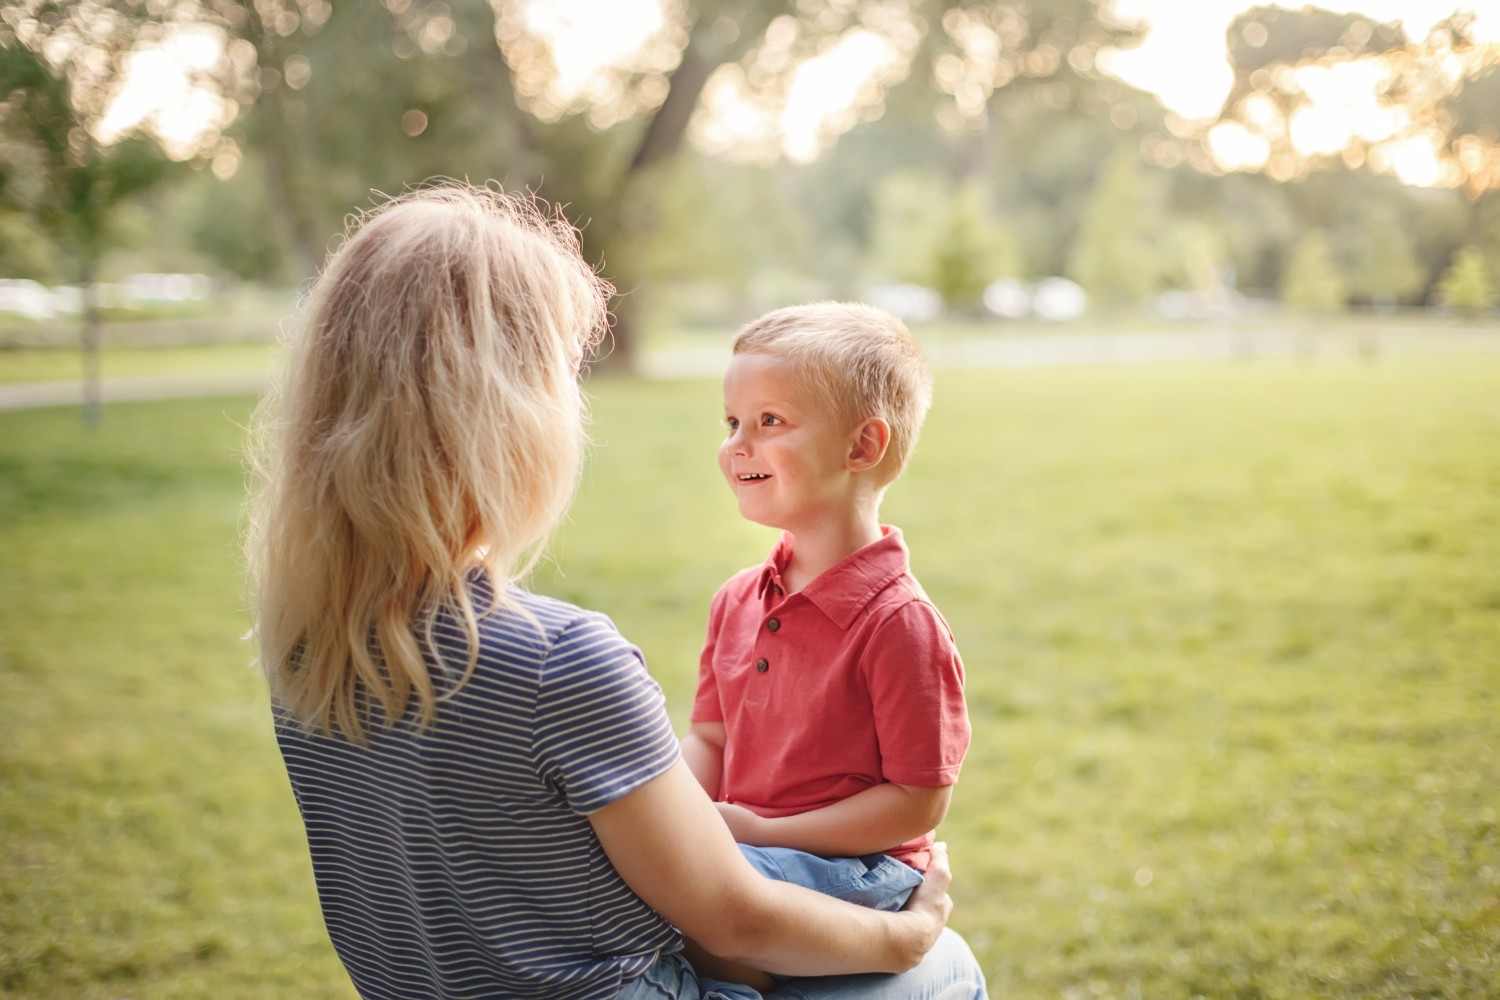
[{"x": 765, "y": 378}]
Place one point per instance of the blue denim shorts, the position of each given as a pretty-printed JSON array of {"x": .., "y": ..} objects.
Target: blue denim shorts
[
  {"x": 949, "y": 972},
  {"x": 672, "y": 978},
  {"x": 877, "y": 881}
]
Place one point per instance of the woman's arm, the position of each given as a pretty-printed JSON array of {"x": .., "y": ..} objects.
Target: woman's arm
[
  {"x": 877, "y": 819},
  {"x": 667, "y": 842}
]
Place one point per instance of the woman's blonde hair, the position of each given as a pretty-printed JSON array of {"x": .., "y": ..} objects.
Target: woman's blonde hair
[{"x": 429, "y": 422}]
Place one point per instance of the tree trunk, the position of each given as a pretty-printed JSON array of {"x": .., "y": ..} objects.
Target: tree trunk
[
  {"x": 660, "y": 142},
  {"x": 93, "y": 387},
  {"x": 284, "y": 192},
  {"x": 272, "y": 127}
]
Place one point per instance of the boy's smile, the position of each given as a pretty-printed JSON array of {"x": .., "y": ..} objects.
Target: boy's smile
[{"x": 784, "y": 453}]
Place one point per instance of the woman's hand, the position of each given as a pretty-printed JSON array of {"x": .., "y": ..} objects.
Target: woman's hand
[
  {"x": 670, "y": 845},
  {"x": 931, "y": 901}
]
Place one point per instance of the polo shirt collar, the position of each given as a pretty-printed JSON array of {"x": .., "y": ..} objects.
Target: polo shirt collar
[{"x": 844, "y": 589}]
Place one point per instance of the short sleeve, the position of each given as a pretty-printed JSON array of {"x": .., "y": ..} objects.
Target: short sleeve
[
  {"x": 916, "y": 682},
  {"x": 706, "y": 704},
  {"x": 601, "y": 726}
]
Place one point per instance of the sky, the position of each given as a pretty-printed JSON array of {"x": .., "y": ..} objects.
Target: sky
[{"x": 1182, "y": 59}]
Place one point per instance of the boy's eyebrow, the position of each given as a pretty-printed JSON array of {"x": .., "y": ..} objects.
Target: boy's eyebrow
[{"x": 772, "y": 403}]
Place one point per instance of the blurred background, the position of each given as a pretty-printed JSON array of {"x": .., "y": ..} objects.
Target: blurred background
[
  {"x": 1210, "y": 492},
  {"x": 979, "y": 163}
]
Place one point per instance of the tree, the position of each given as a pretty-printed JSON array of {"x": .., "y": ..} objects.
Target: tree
[
  {"x": 1466, "y": 286},
  {"x": 471, "y": 88},
  {"x": 1115, "y": 258},
  {"x": 465, "y": 89},
  {"x": 1191, "y": 255},
  {"x": 932, "y": 234},
  {"x": 724, "y": 232},
  {"x": 1446, "y": 86},
  {"x": 55, "y": 170},
  {"x": 1312, "y": 282},
  {"x": 972, "y": 250},
  {"x": 226, "y": 223},
  {"x": 1382, "y": 264},
  {"x": 23, "y": 252},
  {"x": 1486, "y": 228}
]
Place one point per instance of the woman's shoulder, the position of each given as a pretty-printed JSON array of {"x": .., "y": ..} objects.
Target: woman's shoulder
[{"x": 543, "y": 625}]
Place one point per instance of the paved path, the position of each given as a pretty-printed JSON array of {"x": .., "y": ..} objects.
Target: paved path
[{"x": 993, "y": 352}]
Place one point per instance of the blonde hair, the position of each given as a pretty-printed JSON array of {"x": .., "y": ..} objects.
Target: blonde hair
[
  {"x": 862, "y": 361},
  {"x": 429, "y": 421}
]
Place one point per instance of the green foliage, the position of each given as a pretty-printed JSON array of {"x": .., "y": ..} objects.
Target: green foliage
[
  {"x": 1229, "y": 633},
  {"x": 1382, "y": 263},
  {"x": 932, "y": 233},
  {"x": 23, "y": 251},
  {"x": 54, "y": 171},
  {"x": 1466, "y": 286},
  {"x": 227, "y": 224},
  {"x": 1312, "y": 282},
  {"x": 730, "y": 226},
  {"x": 1115, "y": 258},
  {"x": 1192, "y": 254},
  {"x": 904, "y": 238},
  {"x": 1265, "y": 36},
  {"x": 972, "y": 250},
  {"x": 1487, "y": 226}
]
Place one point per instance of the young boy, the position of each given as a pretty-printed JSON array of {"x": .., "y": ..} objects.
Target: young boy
[{"x": 829, "y": 722}]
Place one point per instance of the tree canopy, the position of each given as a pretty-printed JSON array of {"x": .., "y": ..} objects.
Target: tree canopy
[{"x": 986, "y": 139}]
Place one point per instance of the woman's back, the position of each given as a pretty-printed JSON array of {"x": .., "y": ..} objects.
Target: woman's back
[{"x": 458, "y": 860}]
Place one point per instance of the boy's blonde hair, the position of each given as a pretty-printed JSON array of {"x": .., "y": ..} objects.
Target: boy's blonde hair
[
  {"x": 429, "y": 421},
  {"x": 862, "y": 361}
]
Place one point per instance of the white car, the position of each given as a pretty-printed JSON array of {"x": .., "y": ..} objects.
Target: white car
[{"x": 28, "y": 298}]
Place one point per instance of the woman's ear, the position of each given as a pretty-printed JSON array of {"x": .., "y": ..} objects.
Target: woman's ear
[{"x": 867, "y": 447}]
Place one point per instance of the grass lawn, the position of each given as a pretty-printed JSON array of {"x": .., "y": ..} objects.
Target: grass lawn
[
  {"x": 1232, "y": 633},
  {"x": 44, "y": 364}
]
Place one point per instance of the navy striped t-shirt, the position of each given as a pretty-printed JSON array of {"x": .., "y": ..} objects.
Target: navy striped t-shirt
[{"x": 458, "y": 861}]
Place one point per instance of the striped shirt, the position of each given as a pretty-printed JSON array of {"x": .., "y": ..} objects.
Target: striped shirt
[{"x": 458, "y": 861}]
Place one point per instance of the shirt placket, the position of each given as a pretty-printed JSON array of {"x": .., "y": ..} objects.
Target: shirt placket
[{"x": 766, "y": 647}]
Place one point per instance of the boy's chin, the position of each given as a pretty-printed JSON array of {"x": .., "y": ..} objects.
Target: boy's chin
[{"x": 755, "y": 517}]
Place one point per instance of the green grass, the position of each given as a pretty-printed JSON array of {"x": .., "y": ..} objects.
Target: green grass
[
  {"x": 1231, "y": 631},
  {"x": 45, "y": 364}
]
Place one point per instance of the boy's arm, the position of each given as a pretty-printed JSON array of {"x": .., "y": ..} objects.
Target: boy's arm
[
  {"x": 922, "y": 728},
  {"x": 703, "y": 749},
  {"x": 877, "y": 819}
]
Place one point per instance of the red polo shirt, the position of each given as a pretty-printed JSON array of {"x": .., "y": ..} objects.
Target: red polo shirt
[{"x": 852, "y": 681}]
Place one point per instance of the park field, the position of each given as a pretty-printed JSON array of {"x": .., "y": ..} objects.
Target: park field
[{"x": 1232, "y": 633}]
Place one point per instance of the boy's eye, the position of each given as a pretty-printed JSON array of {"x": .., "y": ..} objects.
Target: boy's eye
[
  {"x": 770, "y": 420},
  {"x": 732, "y": 423}
]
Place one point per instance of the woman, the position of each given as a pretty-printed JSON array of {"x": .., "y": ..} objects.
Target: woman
[{"x": 494, "y": 800}]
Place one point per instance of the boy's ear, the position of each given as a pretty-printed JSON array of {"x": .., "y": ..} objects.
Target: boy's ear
[{"x": 868, "y": 445}]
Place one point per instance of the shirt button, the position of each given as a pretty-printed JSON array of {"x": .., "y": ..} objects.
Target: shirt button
[
  {"x": 762, "y": 666},
  {"x": 774, "y": 624}
]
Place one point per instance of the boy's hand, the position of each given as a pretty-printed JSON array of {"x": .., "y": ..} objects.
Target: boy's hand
[{"x": 746, "y": 826}]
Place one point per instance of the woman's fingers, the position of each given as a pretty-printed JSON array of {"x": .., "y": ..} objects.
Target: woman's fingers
[
  {"x": 932, "y": 895},
  {"x": 939, "y": 869}
]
